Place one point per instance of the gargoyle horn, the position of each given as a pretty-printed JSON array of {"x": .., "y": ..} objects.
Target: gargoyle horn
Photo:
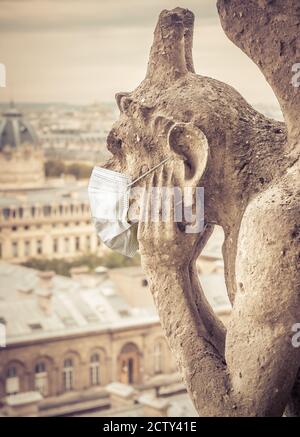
[{"x": 171, "y": 52}]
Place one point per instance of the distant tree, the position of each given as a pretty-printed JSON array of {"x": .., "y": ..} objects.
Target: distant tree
[
  {"x": 63, "y": 267},
  {"x": 79, "y": 171},
  {"x": 54, "y": 168}
]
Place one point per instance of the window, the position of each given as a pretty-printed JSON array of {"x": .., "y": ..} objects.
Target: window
[
  {"x": 77, "y": 243},
  {"x": 11, "y": 372},
  {"x": 88, "y": 242},
  {"x": 21, "y": 212},
  {"x": 68, "y": 375},
  {"x": 144, "y": 282},
  {"x": 6, "y": 213},
  {"x": 95, "y": 369},
  {"x": 12, "y": 381},
  {"x": 41, "y": 378},
  {"x": 33, "y": 211},
  {"x": 67, "y": 244},
  {"x": 47, "y": 210},
  {"x": 27, "y": 248},
  {"x": 55, "y": 245},
  {"x": 14, "y": 246},
  {"x": 14, "y": 228},
  {"x": 39, "y": 247},
  {"x": 158, "y": 357}
]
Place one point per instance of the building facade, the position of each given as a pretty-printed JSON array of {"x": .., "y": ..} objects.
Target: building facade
[
  {"x": 130, "y": 355},
  {"x": 73, "y": 336},
  {"x": 38, "y": 218},
  {"x": 46, "y": 223}
]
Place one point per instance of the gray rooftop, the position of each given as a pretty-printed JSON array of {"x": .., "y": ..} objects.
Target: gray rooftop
[
  {"x": 69, "y": 193},
  {"x": 91, "y": 303},
  {"x": 75, "y": 308}
]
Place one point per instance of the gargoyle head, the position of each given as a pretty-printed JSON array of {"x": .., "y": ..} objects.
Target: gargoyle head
[
  {"x": 175, "y": 111},
  {"x": 156, "y": 119}
]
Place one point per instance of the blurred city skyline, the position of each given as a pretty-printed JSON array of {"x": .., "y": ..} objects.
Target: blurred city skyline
[{"x": 84, "y": 51}]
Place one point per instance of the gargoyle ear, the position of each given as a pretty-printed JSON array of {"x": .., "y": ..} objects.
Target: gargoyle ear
[
  {"x": 191, "y": 144},
  {"x": 123, "y": 101}
]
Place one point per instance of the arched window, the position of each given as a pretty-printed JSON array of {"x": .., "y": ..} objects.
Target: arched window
[
  {"x": 68, "y": 375},
  {"x": 158, "y": 357},
  {"x": 40, "y": 367},
  {"x": 95, "y": 369},
  {"x": 12, "y": 381},
  {"x": 129, "y": 364},
  {"x": 11, "y": 372},
  {"x": 41, "y": 378}
]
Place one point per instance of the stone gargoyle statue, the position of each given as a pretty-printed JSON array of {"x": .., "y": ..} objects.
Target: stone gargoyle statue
[{"x": 249, "y": 167}]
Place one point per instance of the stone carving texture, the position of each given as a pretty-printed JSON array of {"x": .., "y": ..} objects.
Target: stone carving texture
[{"x": 252, "y": 189}]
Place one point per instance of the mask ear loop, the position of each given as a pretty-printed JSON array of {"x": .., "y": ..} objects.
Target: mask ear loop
[{"x": 149, "y": 171}]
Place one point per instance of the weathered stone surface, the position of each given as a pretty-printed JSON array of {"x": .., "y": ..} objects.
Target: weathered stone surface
[{"x": 250, "y": 172}]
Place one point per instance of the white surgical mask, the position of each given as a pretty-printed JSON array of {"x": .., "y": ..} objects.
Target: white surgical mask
[{"x": 109, "y": 194}]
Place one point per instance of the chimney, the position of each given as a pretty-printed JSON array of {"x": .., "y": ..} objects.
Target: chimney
[
  {"x": 45, "y": 290},
  {"x": 83, "y": 276}
]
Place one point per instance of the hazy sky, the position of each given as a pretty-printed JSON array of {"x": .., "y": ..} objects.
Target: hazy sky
[{"x": 82, "y": 51}]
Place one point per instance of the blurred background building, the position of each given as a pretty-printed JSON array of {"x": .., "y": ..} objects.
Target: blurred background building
[
  {"x": 40, "y": 217},
  {"x": 89, "y": 343}
]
